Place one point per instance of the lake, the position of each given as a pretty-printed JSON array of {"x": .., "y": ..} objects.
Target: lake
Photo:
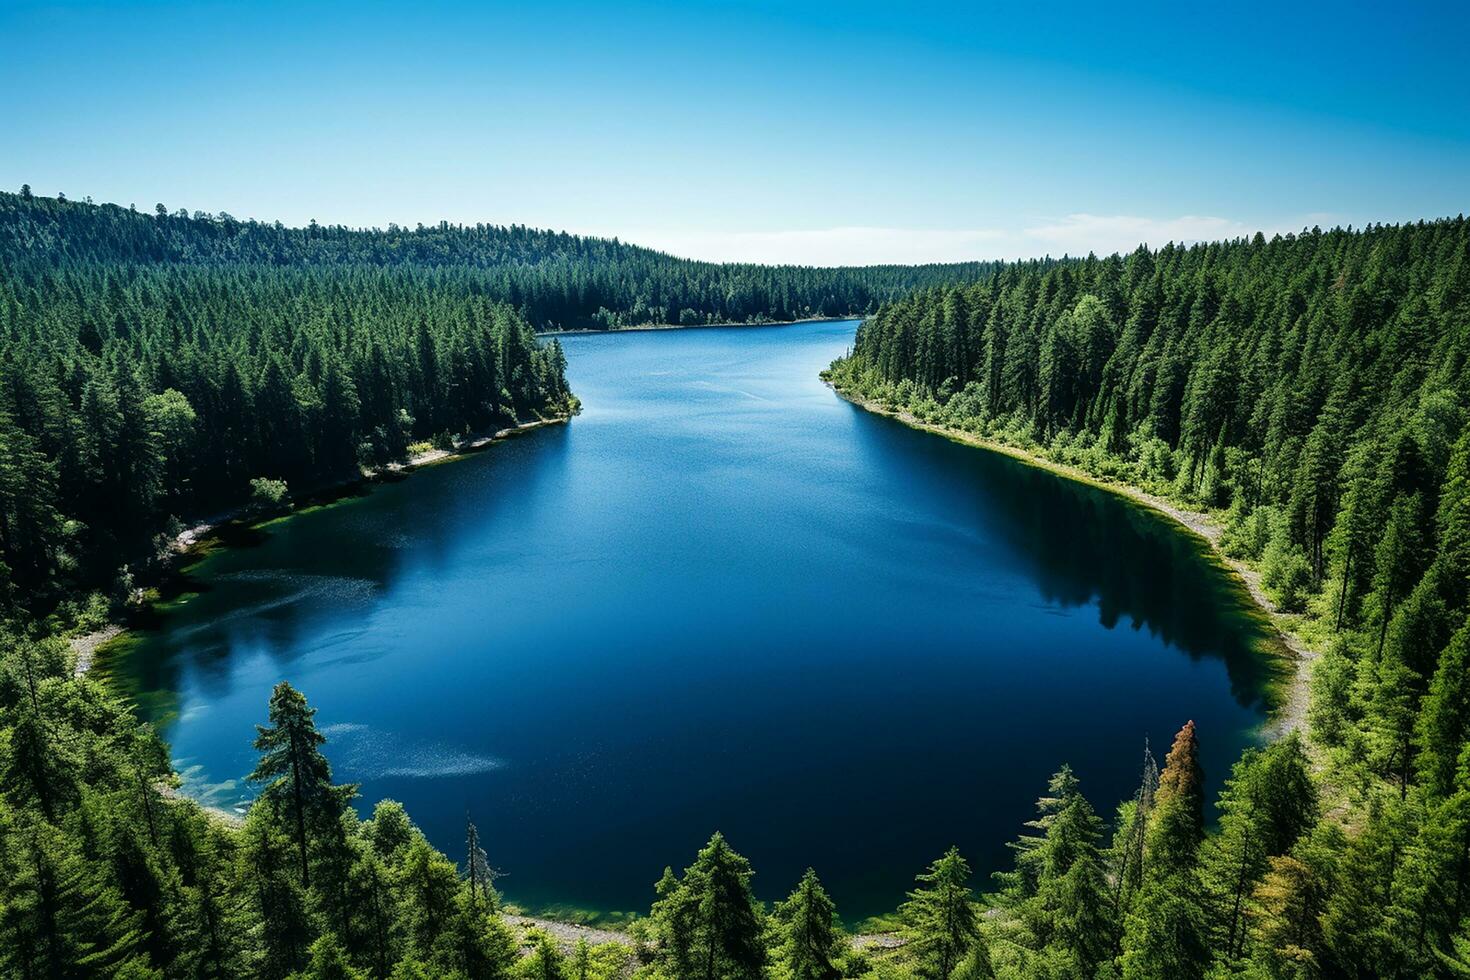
[{"x": 724, "y": 599}]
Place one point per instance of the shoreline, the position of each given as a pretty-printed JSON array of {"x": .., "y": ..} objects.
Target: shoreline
[
  {"x": 86, "y": 646},
  {"x": 1287, "y": 716},
  {"x": 650, "y": 327},
  {"x": 567, "y": 934},
  {"x": 1290, "y": 715}
]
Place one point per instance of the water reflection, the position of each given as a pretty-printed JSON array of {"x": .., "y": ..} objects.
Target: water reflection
[{"x": 720, "y": 597}]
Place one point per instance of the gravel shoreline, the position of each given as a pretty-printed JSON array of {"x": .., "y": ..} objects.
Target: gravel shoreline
[{"x": 648, "y": 327}]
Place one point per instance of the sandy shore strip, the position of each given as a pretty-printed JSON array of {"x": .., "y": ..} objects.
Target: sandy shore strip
[
  {"x": 468, "y": 446},
  {"x": 1291, "y": 714},
  {"x": 566, "y": 935},
  {"x": 84, "y": 648}
]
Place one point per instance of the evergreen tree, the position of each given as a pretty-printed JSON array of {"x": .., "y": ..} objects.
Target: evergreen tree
[
  {"x": 546, "y": 962},
  {"x": 478, "y": 871},
  {"x": 329, "y": 962},
  {"x": 1126, "y": 857},
  {"x": 809, "y": 944},
  {"x": 1286, "y": 914},
  {"x": 940, "y": 919},
  {"x": 1165, "y": 931},
  {"x": 429, "y": 886},
  {"x": 1178, "y": 824},
  {"x": 277, "y": 899},
  {"x": 1443, "y": 723},
  {"x": 476, "y": 945},
  {"x": 1021, "y": 884},
  {"x": 58, "y": 920},
  {"x": 707, "y": 923},
  {"x": 298, "y": 777},
  {"x": 1267, "y": 804},
  {"x": 1355, "y": 923},
  {"x": 1074, "y": 903}
]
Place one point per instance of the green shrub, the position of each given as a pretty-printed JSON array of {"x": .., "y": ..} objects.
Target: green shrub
[
  {"x": 1287, "y": 575},
  {"x": 1155, "y": 460},
  {"x": 268, "y": 496},
  {"x": 1247, "y": 532}
]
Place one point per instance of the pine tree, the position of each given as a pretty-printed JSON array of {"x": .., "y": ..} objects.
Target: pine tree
[
  {"x": 1127, "y": 853},
  {"x": 1165, "y": 931},
  {"x": 429, "y": 885},
  {"x": 1285, "y": 914},
  {"x": 478, "y": 871},
  {"x": 707, "y": 922},
  {"x": 1072, "y": 896},
  {"x": 278, "y": 900},
  {"x": 35, "y": 765},
  {"x": 1444, "y": 720},
  {"x": 1178, "y": 820},
  {"x": 59, "y": 920},
  {"x": 546, "y": 961},
  {"x": 940, "y": 919},
  {"x": 378, "y": 933},
  {"x": 30, "y": 525},
  {"x": 1020, "y": 884},
  {"x": 329, "y": 961},
  {"x": 1267, "y": 804},
  {"x": 809, "y": 944},
  {"x": 476, "y": 945},
  {"x": 1354, "y": 925},
  {"x": 1431, "y": 886},
  {"x": 298, "y": 777},
  {"x": 218, "y": 947}
]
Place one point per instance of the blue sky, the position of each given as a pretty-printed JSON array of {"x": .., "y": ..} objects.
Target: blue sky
[{"x": 826, "y": 133}]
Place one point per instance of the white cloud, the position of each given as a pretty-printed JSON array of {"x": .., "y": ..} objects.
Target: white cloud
[
  {"x": 827, "y": 246},
  {"x": 1074, "y": 234},
  {"x": 1078, "y": 234}
]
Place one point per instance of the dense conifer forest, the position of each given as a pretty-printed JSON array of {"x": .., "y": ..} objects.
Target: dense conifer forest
[
  {"x": 161, "y": 366},
  {"x": 106, "y": 872},
  {"x": 555, "y": 280},
  {"x": 1310, "y": 389},
  {"x": 136, "y": 393}
]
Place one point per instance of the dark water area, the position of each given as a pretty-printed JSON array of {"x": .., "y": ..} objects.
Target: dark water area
[{"x": 720, "y": 599}]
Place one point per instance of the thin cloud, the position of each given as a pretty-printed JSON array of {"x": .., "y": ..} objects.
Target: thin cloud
[
  {"x": 1074, "y": 234},
  {"x": 854, "y": 245},
  {"x": 1078, "y": 234}
]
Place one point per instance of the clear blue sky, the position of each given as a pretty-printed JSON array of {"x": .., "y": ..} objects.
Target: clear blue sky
[{"x": 784, "y": 131}]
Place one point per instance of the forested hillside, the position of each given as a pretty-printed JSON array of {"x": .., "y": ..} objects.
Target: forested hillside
[
  {"x": 134, "y": 395},
  {"x": 153, "y": 365},
  {"x": 104, "y": 872},
  {"x": 1312, "y": 389},
  {"x": 555, "y": 280}
]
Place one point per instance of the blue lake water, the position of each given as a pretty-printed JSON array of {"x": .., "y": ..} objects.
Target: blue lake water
[{"x": 721, "y": 598}]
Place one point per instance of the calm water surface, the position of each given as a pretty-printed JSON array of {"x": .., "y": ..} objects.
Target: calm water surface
[{"x": 722, "y": 598}]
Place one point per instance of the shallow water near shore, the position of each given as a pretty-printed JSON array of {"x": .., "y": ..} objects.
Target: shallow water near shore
[{"x": 722, "y": 598}]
